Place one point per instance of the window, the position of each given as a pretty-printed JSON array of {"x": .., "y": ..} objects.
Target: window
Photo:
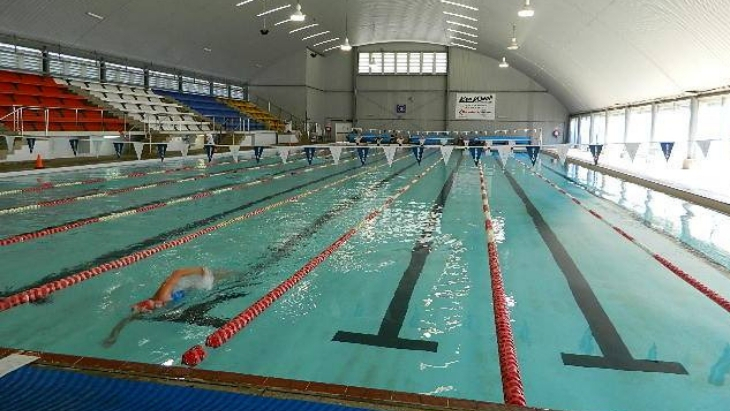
[
  {"x": 164, "y": 81},
  {"x": 403, "y": 63},
  {"x": 599, "y": 128},
  {"x": 22, "y": 58},
  {"x": 117, "y": 73},
  {"x": 195, "y": 85},
  {"x": 237, "y": 92},
  {"x": 220, "y": 90},
  {"x": 639, "y": 125},
  {"x": 584, "y": 132},
  {"x": 64, "y": 65},
  {"x": 616, "y": 126}
]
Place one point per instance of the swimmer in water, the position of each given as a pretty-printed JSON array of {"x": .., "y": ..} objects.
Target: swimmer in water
[{"x": 173, "y": 289}]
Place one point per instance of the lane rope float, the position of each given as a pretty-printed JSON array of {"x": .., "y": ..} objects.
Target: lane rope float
[
  {"x": 49, "y": 288},
  {"x": 196, "y": 354},
  {"x": 676, "y": 270},
  {"x": 512, "y": 388}
]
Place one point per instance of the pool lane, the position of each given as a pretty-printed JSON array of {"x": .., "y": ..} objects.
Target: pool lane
[{"x": 562, "y": 343}]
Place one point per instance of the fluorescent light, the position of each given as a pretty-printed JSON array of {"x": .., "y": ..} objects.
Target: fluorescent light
[
  {"x": 462, "y": 33},
  {"x": 207, "y": 49},
  {"x": 504, "y": 63},
  {"x": 464, "y": 40},
  {"x": 325, "y": 42},
  {"x": 453, "y": 3},
  {"x": 304, "y": 28},
  {"x": 456, "y": 23},
  {"x": 332, "y": 48},
  {"x": 321, "y": 33},
  {"x": 94, "y": 15},
  {"x": 346, "y": 45},
  {"x": 298, "y": 15},
  {"x": 282, "y": 22},
  {"x": 463, "y": 46},
  {"x": 526, "y": 11},
  {"x": 241, "y": 3},
  {"x": 461, "y": 16},
  {"x": 513, "y": 44},
  {"x": 273, "y": 10}
]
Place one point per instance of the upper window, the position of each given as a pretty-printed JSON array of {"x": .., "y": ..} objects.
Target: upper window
[
  {"x": 22, "y": 58},
  {"x": 117, "y": 73},
  {"x": 162, "y": 80},
  {"x": 403, "y": 63},
  {"x": 64, "y": 65}
]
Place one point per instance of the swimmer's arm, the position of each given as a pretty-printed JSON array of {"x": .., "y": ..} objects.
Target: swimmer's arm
[{"x": 165, "y": 291}]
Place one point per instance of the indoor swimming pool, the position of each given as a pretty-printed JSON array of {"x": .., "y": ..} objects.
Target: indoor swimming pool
[{"x": 385, "y": 275}]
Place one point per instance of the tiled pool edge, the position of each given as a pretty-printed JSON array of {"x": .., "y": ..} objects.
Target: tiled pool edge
[{"x": 258, "y": 385}]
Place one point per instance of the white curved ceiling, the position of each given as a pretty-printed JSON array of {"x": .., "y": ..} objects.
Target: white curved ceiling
[{"x": 589, "y": 53}]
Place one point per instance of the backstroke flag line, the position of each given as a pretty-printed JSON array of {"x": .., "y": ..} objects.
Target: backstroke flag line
[
  {"x": 336, "y": 152},
  {"x": 504, "y": 153},
  {"x": 284, "y": 154},
  {"x": 184, "y": 149},
  {"x": 234, "y": 151},
  {"x": 596, "y": 150},
  {"x": 138, "y": 147},
  {"x": 632, "y": 149},
  {"x": 418, "y": 153},
  {"x": 258, "y": 151},
  {"x": 309, "y": 152},
  {"x": 704, "y": 146},
  {"x": 476, "y": 154},
  {"x": 209, "y": 151},
  {"x": 563, "y": 152},
  {"x": 161, "y": 150},
  {"x": 389, "y": 153},
  {"x": 446, "y": 153},
  {"x": 667, "y": 149},
  {"x": 118, "y": 148},
  {"x": 10, "y": 141},
  {"x": 533, "y": 152},
  {"x": 362, "y": 153}
]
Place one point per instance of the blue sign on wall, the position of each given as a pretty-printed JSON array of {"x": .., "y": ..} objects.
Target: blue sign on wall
[{"x": 400, "y": 109}]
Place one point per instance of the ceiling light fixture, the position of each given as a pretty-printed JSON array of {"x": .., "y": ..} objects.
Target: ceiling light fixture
[
  {"x": 207, "y": 49},
  {"x": 325, "y": 42},
  {"x": 372, "y": 60},
  {"x": 504, "y": 63},
  {"x": 321, "y": 33},
  {"x": 513, "y": 45},
  {"x": 332, "y": 48},
  {"x": 286, "y": 6},
  {"x": 346, "y": 45},
  {"x": 453, "y": 3},
  {"x": 282, "y": 22},
  {"x": 463, "y": 40},
  {"x": 304, "y": 28},
  {"x": 462, "y": 33},
  {"x": 527, "y": 10},
  {"x": 94, "y": 15},
  {"x": 241, "y": 3},
  {"x": 467, "y": 26},
  {"x": 461, "y": 16},
  {"x": 298, "y": 15},
  {"x": 463, "y": 46}
]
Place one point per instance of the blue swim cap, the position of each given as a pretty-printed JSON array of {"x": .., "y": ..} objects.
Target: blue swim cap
[{"x": 177, "y": 295}]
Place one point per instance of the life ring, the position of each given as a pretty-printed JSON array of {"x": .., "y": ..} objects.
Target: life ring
[{"x": 556, "y": 133}]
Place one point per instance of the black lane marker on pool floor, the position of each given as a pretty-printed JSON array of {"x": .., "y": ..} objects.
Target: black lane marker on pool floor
[
  {"x": 616, "y": 355},
  {"x": 197, "y": 313},
  {"x": 395, "y": 315},
  {"x": 161, "y": 238}
]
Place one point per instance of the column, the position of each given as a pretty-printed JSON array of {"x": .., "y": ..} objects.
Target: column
[
  {"x": 102, "y": 71},
  {"x": 694, "y": 111},
  {"x": 605, "y": 128},
  {"x": 46, "y": 65},
  {"x": 627, "y": 123},
  {"x": 592, "y": 129},
  {"x": 652, "y": 133},
  {"x": 146, "y": 74}
]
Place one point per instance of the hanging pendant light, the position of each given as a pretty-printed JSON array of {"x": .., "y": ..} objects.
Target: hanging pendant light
[
  {"x": 504, "y": 63},
  {"x": 346, "y": 45},
  {"x": 527, "y": 10},
  {"x": 298, "y": 15},
  {"x": 513, "y": 45}
]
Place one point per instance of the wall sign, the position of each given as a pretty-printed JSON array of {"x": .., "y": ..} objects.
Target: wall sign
[
  {"x": 475, "y": 106},
  {"x": 400, "y": 109}
]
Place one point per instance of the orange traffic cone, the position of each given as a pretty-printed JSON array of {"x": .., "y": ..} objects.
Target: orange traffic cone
[{"x": 39, "y": 162}]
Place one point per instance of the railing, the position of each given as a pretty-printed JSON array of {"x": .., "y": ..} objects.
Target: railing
[
  {"x": 19, "y": 120},
  {"x": 278, "y": 112}
]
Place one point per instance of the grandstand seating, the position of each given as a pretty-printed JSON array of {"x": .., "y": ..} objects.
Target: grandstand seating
[
  {"x": 147, "y": 107},
  {"x": 28, "y": 102},
  {"x": 256, "y": 113},
  {"x": 218, "y": 112}
]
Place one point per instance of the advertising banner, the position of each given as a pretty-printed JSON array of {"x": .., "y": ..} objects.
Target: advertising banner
[{"x": 475, "y": 106}]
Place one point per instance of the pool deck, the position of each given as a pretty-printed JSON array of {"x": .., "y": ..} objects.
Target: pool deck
[{"x": 368, "y": 398}]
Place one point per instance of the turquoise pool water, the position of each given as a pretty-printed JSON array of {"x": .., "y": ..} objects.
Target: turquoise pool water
[{"x": 355, "y": 319}]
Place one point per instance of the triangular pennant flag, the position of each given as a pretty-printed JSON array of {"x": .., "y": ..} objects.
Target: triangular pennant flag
[
  {"x": 418, "y": 153},
  {"x": 309, "y": 152},
  {"x": 667, "y": 149},
  {"x": 362, "y": 153},
  {"x": 476, "y": 154},
  {"x": 31, "y": 143},
  {"x": 209, "y": 151},
  {"x": 96, "y": 146},
  {"x": 421, "y": 140},
  {"x": 51, "y": 146},
  {"x": 74, "y": 145},
  {"x": 632, "y": 149},
  {"x": 389, "y": 153},
  {"x": 704, "y": 146},
  {"x": 446, "y": 153},
  {"x": 118, "y": 147},
  {"x": 504, "y": 153},
  {"x": 258, "y": 151},
  {"x": 336, "y": 153},
  {"x": 284, "y": 154},
  {"x": 596, "y": 150},
  {"x": 533, "y": 152},
  {"x": 138, "y": 148},
  {"x": 444, "y": 141},
  {"x": 184, "y": 148},
  {"x": 161, "y": 150},
  {"x": 235, "y": 150},
  {"x": 563, "y": 152},
  {"x": 10, "y": 141}
]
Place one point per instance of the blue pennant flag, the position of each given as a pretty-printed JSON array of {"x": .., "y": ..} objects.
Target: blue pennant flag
[
  {"x": 596, "y": 152},
  {"x": 418, "y": 152},
  {"x": 309, "y": 152},
  {"x": 31, "y": 143},
  {"x": 209, "y": 151},
  {"x": 161, "y": 150},
  {"x": 258, "y": 151},
  {"x": 667, "y": 150},
  {"x": 118, "y": 149},
  {"x": 533, "y": 152},
  {"x": 74, "y": 145},
  {"x": 362, "y": 153},
  {"x": 476, "y": 154}
]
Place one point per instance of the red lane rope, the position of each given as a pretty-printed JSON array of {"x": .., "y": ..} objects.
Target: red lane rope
[
  {"x": 19, "y": 238},
  {"x": 692, "y": 281},
  {"x": 45, "y": 290},
  {"x": 196, "y": 354},
  {"x": 512, "y": 388}
]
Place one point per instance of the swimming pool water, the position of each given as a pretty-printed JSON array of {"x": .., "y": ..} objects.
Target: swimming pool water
[{"x": 355, "y": 320}]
